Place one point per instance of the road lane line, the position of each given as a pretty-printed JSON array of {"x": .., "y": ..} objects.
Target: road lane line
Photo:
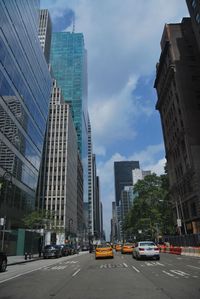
[
  {"x": 181, "y": 273},
  {"x": 125, "y": 265},
  {"x": 148, "y": 264},
  {"x": 135, "y": 269},
  {"x": 194, "y": 267},
  {"x": 170, "y": 274},
  {"x": 75, "y": 273},
  {"x": 158, "y": 263}
]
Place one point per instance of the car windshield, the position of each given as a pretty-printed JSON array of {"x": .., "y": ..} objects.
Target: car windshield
[
  {"x": 103, "y": 246},
  {"x": 147, "y": 244},
  {"x": 48, "y": 247}
]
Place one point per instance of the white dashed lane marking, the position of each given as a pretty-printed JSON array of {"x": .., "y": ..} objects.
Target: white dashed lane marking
[
  {"x": 194, "y": 267},
  {"x": 135, "y": 269},
  {"x": 169, "y": 274}
]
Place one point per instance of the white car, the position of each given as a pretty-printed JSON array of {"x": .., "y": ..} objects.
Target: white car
[{"x": 146, "y": 249}]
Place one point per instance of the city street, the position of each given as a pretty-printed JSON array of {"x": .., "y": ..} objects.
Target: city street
[{"x": 81, "y": 276}]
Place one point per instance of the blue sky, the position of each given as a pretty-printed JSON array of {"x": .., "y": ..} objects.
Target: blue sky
[{"x": 123, "y": 43}]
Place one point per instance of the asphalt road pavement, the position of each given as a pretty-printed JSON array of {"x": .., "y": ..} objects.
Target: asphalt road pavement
[{"x": 83, "y": 277}]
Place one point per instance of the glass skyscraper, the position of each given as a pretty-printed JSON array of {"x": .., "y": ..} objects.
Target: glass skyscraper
[
  {"x": 25, "y": 87},
  {"x": 69, "y": 65},
  {"x": 123, "y": 176}
]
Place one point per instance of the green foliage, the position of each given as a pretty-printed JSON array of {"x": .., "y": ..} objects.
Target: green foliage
[
  {"x": 151, "y": 214},
  {"x": 41, "y": 219},
  {"x": 37, "y": 219}
]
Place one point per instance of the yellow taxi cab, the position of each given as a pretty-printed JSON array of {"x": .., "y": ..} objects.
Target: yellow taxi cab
[
  {"x": 118, "y": 247},
  {"x": 103, "y": 250},
  {"x": 127, "y": 248}
]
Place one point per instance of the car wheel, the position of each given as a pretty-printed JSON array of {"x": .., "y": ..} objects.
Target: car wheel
[
  {"x": 137, "y": 257},
  {"x": 158, "y": 258},
  {"x": 3, "y": 266}
]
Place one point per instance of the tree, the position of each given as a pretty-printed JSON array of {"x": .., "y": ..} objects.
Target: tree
[
  {"x": 37, "y": 219},
  {"x": 151, "y": 214}
]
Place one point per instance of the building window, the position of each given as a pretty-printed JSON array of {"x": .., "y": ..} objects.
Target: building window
[
  {"x": 194, "y": 4},
  {"x": 197, "y": 18},
  {"x": 193, "y": 209}
]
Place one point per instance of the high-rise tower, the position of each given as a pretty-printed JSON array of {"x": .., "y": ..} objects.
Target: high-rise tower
[
  {"x": 25, "y": 87},
  {"x": 123, "y": 176},
  {"x": 58, "y": 181},
  {"x": 178, "y": 89},
  {"x": 69, "y": 66},
  {"x": 194, "y": 10},
  {"x": 45, "y": 32}
]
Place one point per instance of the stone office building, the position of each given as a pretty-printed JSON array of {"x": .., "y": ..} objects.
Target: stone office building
[
  {"x": 178, "y": 89},
  {"x": 58, "y": 193}
]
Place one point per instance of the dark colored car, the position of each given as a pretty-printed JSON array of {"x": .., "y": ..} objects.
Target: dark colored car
[
  {"x": 3, "y": 261},
  {"x": 72, "y": 249},
  {"x": 52, "y": 251},
  {"x": 65, "y": 249}
]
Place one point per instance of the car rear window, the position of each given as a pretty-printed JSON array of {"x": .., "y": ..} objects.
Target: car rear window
[
  {"x": 103, "y": 246},
  {"x": 147, "y": 244}
]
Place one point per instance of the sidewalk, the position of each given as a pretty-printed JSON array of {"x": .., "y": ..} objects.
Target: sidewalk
[{"x": 19, "y": 259}]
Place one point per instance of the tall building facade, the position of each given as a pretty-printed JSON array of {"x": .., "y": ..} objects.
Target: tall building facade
[
  {"x": 25, "y": 87},
  {"x": 91, "y": 182},
  {"x": 178, "y": 89},
  {"x": 97, "y": 210},
  {"x": 194, "y": 11},
  {"x": 58, "y": 181},
  {"x": 139, "y": 174},
  {"x": 69, "y": 65},
  {"x": 113, "y": 231},
  {"x": 123, "y": 176},
  {"x": 45, "y": 33}
]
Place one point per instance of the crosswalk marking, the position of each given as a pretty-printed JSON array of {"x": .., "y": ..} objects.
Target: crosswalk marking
[
  {"x": 135, "y": 269},
  {"x": 181, "y": 273},
  {"x": 194, "y": 267},
  {"x": 125, "y": 265},
  {"x": 111, "y": 266},
  {"x": 169, "y": 274}
]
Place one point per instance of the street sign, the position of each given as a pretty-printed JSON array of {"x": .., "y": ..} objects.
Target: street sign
[{"x": 179, "y": 224}]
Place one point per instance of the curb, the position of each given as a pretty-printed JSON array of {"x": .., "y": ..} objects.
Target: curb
[{"x": 23, "y": 262}]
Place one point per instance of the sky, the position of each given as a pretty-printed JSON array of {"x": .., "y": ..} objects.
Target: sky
[{"x": 122, "y": 39}]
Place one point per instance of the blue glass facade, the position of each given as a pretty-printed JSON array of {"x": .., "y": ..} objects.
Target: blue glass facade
[
  {"x": 25, "y": 87},
  {"x": 68, "y": 61},
  {"x": 69, "y": 64}
]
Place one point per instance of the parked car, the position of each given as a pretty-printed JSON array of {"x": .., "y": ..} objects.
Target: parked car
[
  {"x": 52, "y": 251},
  {"x": 103, "y": 251},
  {"x": 65, "y": 249},
  {"x": 127, "y": 248},
  {"x": 3, "y": 261},
  {"x": 146, "y": 249}
]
